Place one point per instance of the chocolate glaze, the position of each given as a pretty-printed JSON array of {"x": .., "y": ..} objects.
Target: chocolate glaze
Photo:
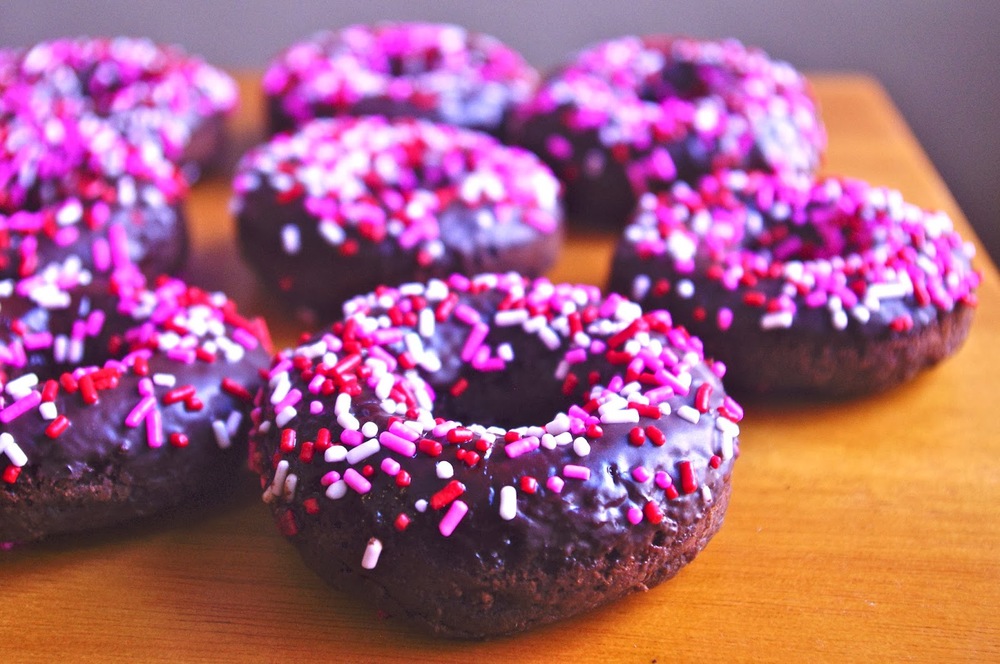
[
  {"x": 564, "y": 552},
  {"x": 100, "y": 471}
]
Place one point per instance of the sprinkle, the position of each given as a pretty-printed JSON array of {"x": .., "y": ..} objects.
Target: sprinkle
[
  {"x": 508, "y": 503},
  {"x": 444, "y": 470},
  {"x": 453, "y": 517},
  {"x": 575, "y": 472},
  {"x": 371, "y": 555},
  {"x": 356, "y": 481},
  {"x": 689, "y": 413}
]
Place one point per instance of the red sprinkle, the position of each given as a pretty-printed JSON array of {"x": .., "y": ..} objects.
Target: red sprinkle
[
  {"x": 402, "y": 522},
  {"x": 231, "y": 387},
  {"x": 688, "y": 482},
  {"x": 458, "y": 387},
  {"x": 652, "y": 512},
  {"x": 445, "y": 496},
  {"x": 311, "y": 506},
  {"x": 287, "y": 443},
  {"x": 636, "y": 436},
  {"x": 178, "y": 439},
  {"x": 529, "y": 484},
  {"x": 11, "y": 473},
  {"x": 57, "y": 426},
  {"x": 702, "y": 396},
  {"x": 656, "y": 436}
]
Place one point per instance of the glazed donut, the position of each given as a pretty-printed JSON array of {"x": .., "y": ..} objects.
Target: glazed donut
[
  {"x": 146, "y": 90},
  {"x": 346, "y": 204},
  {"x": 438, "y": 72},
  {"x": 491, "y": 454},
  {"x": 74, "y": 189},
  {"x": 831, "y": 286},
  {"x": 635, "y": 113},
  {"x": 118, "y": 401}
]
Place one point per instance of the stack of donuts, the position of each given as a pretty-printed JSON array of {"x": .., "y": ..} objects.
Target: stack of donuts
[
  {"x": 123, "y": 390},
  {"x": 456, "y": 438}
]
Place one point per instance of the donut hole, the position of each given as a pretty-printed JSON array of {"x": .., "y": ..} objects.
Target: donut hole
[
  {"x": 678, "y": 80},
  {"x": 819, "y": 234}
]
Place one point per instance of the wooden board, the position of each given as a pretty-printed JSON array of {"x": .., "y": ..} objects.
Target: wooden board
[{"x": 864, "y": 529}]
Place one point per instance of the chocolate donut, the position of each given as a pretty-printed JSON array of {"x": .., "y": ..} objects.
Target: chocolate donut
[
  {"x": 636, "y": 113},
  {"x": 346, "y": 204},
  {"x": 438, "y": 72},
  {"x": 117, "y": 401},
  {"x": 491, "y": 454},
  {"x": 148, "y": 91},
  {"x": 830, "y": 286},
  {"x": 72, "y": 188}
]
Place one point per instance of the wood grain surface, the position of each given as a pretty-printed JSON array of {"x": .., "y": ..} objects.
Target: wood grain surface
[{"x": 858, "y": 530}]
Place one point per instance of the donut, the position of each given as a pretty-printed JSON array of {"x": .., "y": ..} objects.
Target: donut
[
  {"x": 148, "y": 91},
  {"x": 484, "y": 455},
  {"x": 829, "y": 286},
  {"x": 438, "y": 72},
  {"x": 346, "y": 204},
  {"x": 633, "y": 114},
  {"x": 72, "y": 188},
  {"x": 118, "y": 400}
]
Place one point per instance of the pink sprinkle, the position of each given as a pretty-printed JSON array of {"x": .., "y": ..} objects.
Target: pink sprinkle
[
  {"x": 456, "y": 512},
  {"x": 467, "y": 314},
  {"x": 555, "y": 484},
  {"x": 315, "y": 407},
  {"x": 397, "y": 444},
  {"x": 245, "y": 338},
  {"x": 521, "y": 446},
  {"x": 662, "y": 479},
  {"x": 575, "y": 472},
  {"x": 146, "y": 387},
  {"x": 351, "y": 437},
  {"x": 390, "y": 466},
  {"x": 640, "y": 474},
  {"x": 404, "y": 431},
  {"x": 293, "y": 397},
  {"x": 475, "y": 339},
  {"x": 329, "y": 478},
  {"x": 21, "y": 406},
  {"x": 356, "y": 481},
  {"x": 154, "y": 429},
  {"x": 139, "y": 412},
  {"x": 101, "y": 252},
  {"x": 634, "y": 515},
  {"x": 724, "y": 319},
  {"x": 316, "y": 383}
]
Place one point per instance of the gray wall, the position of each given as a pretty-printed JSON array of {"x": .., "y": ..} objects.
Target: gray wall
[{"x": 938, "y": 58}]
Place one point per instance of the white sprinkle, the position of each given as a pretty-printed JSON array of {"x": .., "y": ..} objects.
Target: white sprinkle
[
  {"x": 508, "y": 503},
  {"x": 285, "y": 416},
  {"x": 291, "y": 239},
  {"x": 777, "y": 320},
  {"x": 337, "y": 490},
  {"x": 548, "y": 441},
  {"x": 372, "y": 552},
  {"x": 342, "y": 404},
  {"x": 420, "y": 505},
  {"x": 623, "y": 416},
  {"x": 335, "y": 453},
  {"x": 281, "y": 389},
  {"x": 288, "y": 489},
  {"x": 369, "y": 429},
  {"x": 362, "y": 451},
  {"x": 12, "y": 450},
  {"x": 685, "y": 288},
  {"x": 689, "y": 413},
  {"x": 706, "y": 493},
  {"x": 164, "y": 380},
  {"x": 233, "y": 422},
  {"x": 444, "y": 470},
  {"x": 348, "y": 421},
  {"x": 726, "y": 452},
  {"x": 48, "y": 410},
  {"x": 221, "y": 434},
  {"x": 20, "y": 387},
  {"x": 581, "y": 446}
]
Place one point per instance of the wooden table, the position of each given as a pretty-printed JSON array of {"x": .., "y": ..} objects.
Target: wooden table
[{"x": 858, "y": 530}]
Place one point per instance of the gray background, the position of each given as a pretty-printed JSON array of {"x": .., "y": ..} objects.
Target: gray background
[{"x": 937, "y": 58}]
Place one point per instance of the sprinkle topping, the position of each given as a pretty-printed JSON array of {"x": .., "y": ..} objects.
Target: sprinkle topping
[
  {"x": 434, "y": 70},
  {"x": 637, "y": 372}
]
